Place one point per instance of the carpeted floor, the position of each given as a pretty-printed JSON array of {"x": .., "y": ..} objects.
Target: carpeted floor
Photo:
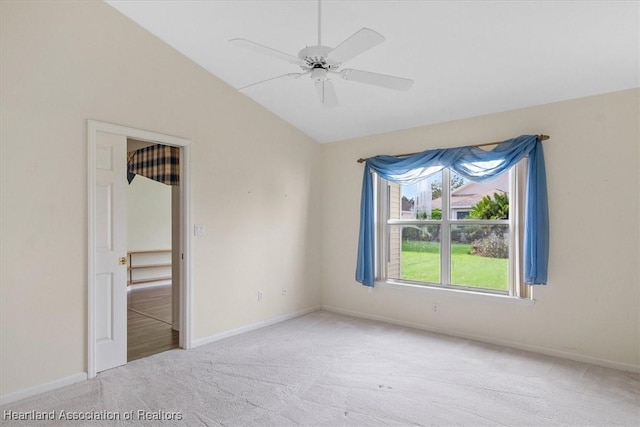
[{"x": 325, "y": 369}]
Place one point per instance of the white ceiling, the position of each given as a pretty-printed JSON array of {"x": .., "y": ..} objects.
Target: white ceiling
[{"x": 466, "y": 58}]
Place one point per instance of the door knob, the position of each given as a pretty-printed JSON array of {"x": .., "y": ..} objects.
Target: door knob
[{"x": 122, "y": 260}]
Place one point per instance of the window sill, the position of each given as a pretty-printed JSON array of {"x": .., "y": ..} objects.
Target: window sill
[{"x": 464, "y": 293}]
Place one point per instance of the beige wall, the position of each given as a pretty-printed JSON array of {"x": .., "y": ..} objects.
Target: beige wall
[
  {"x": 148, "y": 215},
  {"x": 255, "y": 183},
  {"x": 590, "y": 307},
  {"x": 149, "y": 227}
]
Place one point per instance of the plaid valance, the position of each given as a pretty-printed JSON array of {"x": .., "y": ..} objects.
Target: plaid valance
[{"x": 158, "y": 162}]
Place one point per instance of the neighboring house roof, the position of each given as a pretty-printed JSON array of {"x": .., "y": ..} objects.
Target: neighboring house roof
[
  {"x": 469, "y": 194},
  {"x": 407, "y": 204}
]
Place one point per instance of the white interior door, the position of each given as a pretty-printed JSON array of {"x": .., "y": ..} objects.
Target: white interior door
[{"x": 110, "y": 251}]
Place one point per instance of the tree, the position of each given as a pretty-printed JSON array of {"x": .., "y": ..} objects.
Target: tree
[
  {"x": 436, "y": 186},
  {"x": 436, "y": 214},
  {"x": 488, "y": 242},
  {"x": 436, "y": 190},
  {"x": 491, "y": 208},
  {"x": 407, "y": 204},
  {"x": 457, "y": 181}
]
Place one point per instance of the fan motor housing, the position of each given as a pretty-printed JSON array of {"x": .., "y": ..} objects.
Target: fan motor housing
[{"x": 315, "y": 57}]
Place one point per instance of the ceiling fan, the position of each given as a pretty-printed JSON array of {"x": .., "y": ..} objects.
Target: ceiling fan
[{"x": 320, "y": 62}]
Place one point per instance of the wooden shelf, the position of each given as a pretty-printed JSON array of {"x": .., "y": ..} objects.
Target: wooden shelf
[
  {"x": 154, "y": 263},
  {"x": 150, "y": 266}
]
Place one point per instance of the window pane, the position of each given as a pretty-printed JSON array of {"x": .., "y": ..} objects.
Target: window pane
[
  {"x": 418, "y": 201},
  {"x": 414, "y": 253},
  {"x": 480, "y": 256},
  {"x": 479, "y": 200}
]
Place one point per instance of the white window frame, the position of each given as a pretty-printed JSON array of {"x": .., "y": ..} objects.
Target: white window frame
[{"x": 516, "y": 286}]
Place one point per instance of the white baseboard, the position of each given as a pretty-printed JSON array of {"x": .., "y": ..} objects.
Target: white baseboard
[
  {"x": 490, "y": 340},
  {"x": 251, "y": 327},
  {"x": 41, "y": 388}
]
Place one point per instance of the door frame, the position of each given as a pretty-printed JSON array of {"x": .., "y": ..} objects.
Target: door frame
[{"x": 93, "y": 127}]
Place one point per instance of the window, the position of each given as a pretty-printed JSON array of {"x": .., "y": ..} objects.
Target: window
[
  {"x": 474, "y": 163},
  {"x": 450, "y": 232}
]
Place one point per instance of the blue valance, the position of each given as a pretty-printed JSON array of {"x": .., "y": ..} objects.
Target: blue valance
[{"x": 474, "y": 164}]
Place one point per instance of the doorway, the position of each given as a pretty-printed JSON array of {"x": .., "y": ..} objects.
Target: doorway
[
  {"x": 107, "y": 302},
  {"x": 153, "y": 282}
]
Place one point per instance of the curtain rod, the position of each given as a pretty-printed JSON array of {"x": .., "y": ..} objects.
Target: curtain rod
[{"x": 540, "y": 137}]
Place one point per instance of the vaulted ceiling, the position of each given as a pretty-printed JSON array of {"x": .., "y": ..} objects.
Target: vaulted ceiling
[{"x": 466, "y": 58}]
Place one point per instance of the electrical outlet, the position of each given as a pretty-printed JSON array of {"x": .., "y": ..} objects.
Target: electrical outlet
[
  {"x": 260, "y": 296},
  {"x": 284, "y": 292},
  {"x": 436, "y": 308}
]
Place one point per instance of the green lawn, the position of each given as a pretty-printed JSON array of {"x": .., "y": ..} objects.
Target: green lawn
[{"x": 421, "y": 262}]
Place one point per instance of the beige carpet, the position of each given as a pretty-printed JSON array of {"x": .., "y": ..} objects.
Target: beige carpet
[{"x": 325, "y": 369}]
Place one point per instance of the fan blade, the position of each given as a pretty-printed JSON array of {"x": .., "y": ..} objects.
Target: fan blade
[
  {"x": 362, "y": 40},
  {"x": 327, "y": 93},
  {"x": 257, "y": 47},
  {"x": 384, "y": 80},
  {"x": 290, "y": 75}
]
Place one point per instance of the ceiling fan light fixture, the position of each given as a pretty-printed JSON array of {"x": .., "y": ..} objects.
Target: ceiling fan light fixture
[
  {"x": 319, "y": 74},
  {"x": 320, "y": 60}
]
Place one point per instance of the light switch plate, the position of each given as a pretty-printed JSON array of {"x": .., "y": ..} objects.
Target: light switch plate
[{"x": 199, "y": 230}]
